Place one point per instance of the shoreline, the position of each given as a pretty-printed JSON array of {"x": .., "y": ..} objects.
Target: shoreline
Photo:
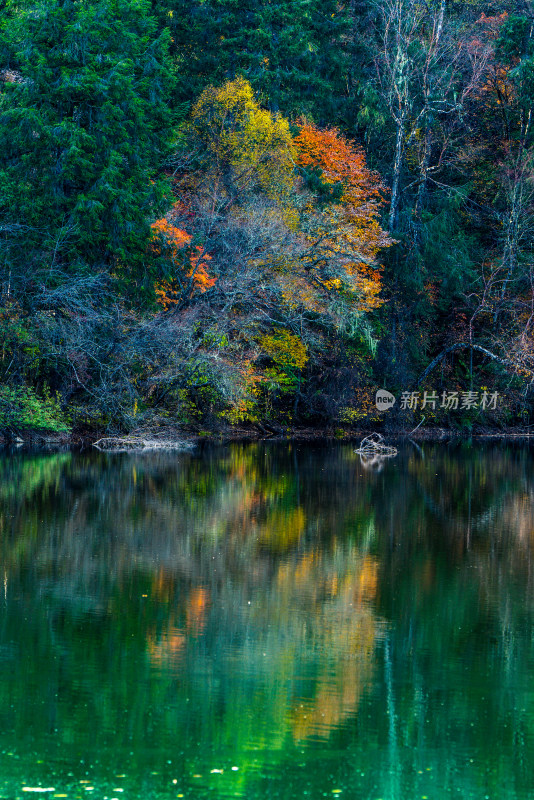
[{"x": 188, "y": 438}]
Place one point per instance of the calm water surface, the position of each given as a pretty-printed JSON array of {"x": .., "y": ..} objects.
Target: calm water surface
[{"x": 268, "y": 621}]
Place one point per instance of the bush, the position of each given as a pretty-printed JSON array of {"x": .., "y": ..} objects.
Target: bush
[{"x": 22, "y": 408}]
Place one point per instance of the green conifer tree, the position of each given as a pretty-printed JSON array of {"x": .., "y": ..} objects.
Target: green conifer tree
[
  {"x": 293, "y": 52},
  {"x": 84, "y": 126}
]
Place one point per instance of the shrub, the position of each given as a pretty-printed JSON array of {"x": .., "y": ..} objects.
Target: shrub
[{"x": 22, "y": 408}]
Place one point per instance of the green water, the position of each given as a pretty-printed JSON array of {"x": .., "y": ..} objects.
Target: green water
[{"x": 268, "y": 621}]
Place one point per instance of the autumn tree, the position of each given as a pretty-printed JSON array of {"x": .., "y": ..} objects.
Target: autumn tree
[
  {"x": 244, "y": 147},
  {"x": 185, "y": 267},
  {"x": 502, "y": 160},
  {"x": 346, "y": 208},
  {"x": 291, "y": 228},
  {"x": 425, "y": 65}
]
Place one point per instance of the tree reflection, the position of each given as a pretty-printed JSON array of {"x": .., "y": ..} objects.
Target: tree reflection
[{"x": 265, "y": 599}]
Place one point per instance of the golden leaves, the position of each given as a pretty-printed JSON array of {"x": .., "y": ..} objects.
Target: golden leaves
[
  {"x": 252, "y": 143},
  {"x": 285, "y": 349}
]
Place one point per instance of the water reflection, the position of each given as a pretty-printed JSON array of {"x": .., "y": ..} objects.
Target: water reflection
[{"x": 268, "y": 621}]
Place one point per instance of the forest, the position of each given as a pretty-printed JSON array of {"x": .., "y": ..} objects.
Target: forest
[{"x": 221, "y": 214}]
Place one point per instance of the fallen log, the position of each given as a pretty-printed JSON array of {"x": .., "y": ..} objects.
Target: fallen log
[{"x": 130, "y": 444}]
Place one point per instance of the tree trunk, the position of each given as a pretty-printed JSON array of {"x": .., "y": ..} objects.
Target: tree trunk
[{"x": 397, "y": 168}]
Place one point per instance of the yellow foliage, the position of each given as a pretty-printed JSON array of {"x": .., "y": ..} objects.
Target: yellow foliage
[
  {"x": 255, "y": 144},
  {"x": 243, "y": 407},
  {"x": 282, "y": 529},
  {"x": 285, "y": 349}
]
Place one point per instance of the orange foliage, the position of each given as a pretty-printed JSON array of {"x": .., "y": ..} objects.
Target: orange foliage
[
  {"x": 498, "y": 83},
  {"x": 174, "y": 241},
  {"x": 197, "y": 606},
  {"x": 250, "y": 381},
  {"x": 493, "y": 24},
  {"x": 340, "y": 161},
  {"x": 432, "y": 291},
  {"x": 168, "y": 645},
  {"x": 353, "y": 221}
]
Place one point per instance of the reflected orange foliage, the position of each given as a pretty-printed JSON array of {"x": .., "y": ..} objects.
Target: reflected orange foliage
[
  {"x": 338, "y": 696},
  {"x": 197, "y": 605},
  {"x": 167, "y": 648},
  {"x": 348, "y": 627},
  {"x": 163, "y": 584},
  {"x": 167, "y": 645},
  {"x": 368, "y": 580}
]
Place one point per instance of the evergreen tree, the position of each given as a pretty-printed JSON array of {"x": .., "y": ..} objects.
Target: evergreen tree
[
  {"x": 84, "y": 125},
  {"x": 293, "y": 52}
]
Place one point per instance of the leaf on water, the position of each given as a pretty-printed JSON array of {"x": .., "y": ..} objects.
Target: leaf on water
[{"x": 37, "y": 789}]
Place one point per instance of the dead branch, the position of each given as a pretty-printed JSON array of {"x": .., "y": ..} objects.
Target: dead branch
[
  {"x": 460, "y": 346},
  {"x": 373, "y": 446}
]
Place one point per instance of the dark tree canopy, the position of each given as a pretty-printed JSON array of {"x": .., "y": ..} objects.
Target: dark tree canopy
[
  {"x": 293, "y": 52},
  {"x": 84, "y": 127}
]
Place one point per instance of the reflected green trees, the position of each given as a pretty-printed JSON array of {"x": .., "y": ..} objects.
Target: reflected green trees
[
  {"x": 21, "y": 476},
  {"x": 278, "y": 609}
]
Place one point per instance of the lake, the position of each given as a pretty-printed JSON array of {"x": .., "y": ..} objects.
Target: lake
[{"x": 268, "y": 621}]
